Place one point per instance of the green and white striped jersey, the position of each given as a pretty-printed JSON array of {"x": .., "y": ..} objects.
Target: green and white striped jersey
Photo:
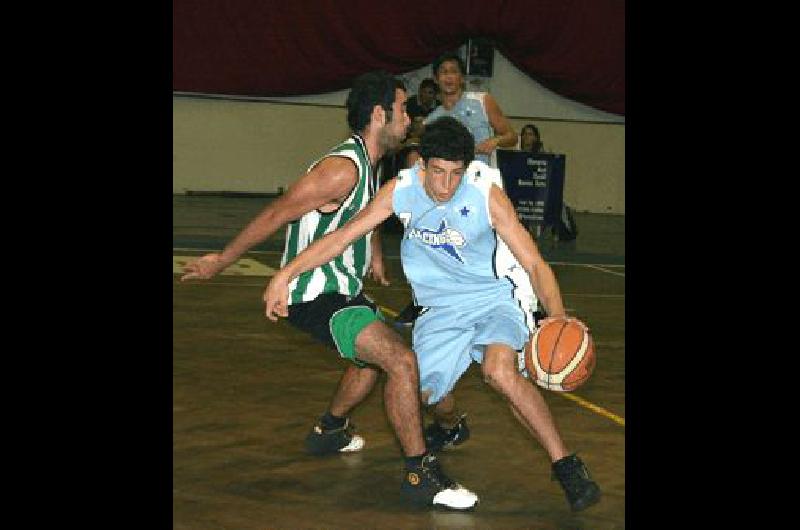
[{"x": 345, "y": 273}]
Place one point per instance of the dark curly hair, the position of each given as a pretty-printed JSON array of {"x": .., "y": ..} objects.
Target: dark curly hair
[
  {"x": 370, "y": 89},
  {"x": 448, "y": 139}
]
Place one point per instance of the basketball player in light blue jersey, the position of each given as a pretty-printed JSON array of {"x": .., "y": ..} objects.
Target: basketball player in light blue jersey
[
  {"x": 483, "y": 117},
  {"x": 452, "y": 214}
]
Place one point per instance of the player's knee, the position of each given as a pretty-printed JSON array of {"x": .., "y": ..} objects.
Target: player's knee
[
  {"x": 497, "y": 376},
  {"x": 365, "y": 374},
  {"x": 402, "y": 361},
  {"x": 382, "y": 347}
]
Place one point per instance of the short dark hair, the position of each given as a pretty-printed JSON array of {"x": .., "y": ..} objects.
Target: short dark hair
[
  {"x": 448, "y": 139},
  {"x": 370, "y": 89},
  {"x": 449, "y": 56},
  {"x": 428, "y": 82}
]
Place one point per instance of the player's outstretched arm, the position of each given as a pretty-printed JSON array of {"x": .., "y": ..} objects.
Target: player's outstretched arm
[
  {"x": 519, "y": 241},
  {"x": 323, "y": 250},
  {"x": 327, "y": 182},
  {"x": 505, "y": 135}
]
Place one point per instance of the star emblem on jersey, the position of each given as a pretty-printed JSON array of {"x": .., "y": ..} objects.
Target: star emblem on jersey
[
  {"x": 465, "y": 211},
  {"x": 444, "y": 238}
]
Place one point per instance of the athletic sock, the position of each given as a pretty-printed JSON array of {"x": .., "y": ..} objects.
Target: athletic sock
[
  {"x": 330, "y": 422},
  {"x": 447, "y": 426},
  {"x": 414, "y": 461}
]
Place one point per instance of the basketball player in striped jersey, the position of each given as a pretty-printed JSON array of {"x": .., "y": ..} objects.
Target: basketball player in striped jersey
[
  {"x": 327, "y": 301},
  {"x": 453, "y": 213}
]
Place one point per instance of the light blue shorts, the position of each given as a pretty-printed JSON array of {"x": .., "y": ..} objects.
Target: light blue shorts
[{"x": 447, "y": 340}]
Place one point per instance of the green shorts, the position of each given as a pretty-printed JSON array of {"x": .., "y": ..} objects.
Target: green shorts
[{"x": 336, "y": 320}]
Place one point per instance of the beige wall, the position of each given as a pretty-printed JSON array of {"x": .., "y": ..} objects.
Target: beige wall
[
  {"x": 223, "y": 145},
  {"x": 258, "y": 146}
]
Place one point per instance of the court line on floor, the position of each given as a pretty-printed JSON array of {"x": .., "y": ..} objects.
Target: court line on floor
[
  {"x": 396, "y": 258},
  {"x": 577, "y": 399},
  {"x": 600, "y": 268},
  {"x": 595, "y": 408}
]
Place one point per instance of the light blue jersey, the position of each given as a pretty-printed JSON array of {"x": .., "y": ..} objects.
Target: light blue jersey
[
  {"x": 447, "y": 253},
  {"x": 448, "y": 249},
  {"x": 471, "y": 112}
]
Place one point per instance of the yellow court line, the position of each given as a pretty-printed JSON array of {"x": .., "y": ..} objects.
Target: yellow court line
[
  {"x": 391, "y": 312},
  {"x": 594, "y": 408},
  {"x": 579, "y": 400}
]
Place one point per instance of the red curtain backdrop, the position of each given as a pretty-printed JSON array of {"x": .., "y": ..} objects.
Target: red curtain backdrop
[{"x": 268, "y": 48}]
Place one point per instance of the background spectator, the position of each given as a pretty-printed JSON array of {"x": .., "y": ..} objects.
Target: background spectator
[
  {"x": 421, "y": 104},
  {"x": 529, "y": 139}
]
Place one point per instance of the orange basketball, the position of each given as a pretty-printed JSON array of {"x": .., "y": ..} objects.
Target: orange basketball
[{"x": 560, "y": 355}]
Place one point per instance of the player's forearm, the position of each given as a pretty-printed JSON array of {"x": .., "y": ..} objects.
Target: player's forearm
[
  {"x": 259, "y": 229},
  {"x": 377, "y": 249},
  {"x": 544, "y": 283},
  {"x": 507, "y": 139}
]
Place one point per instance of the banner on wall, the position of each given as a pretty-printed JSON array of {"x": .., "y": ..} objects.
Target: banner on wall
[{"x": 535, "y": 185}]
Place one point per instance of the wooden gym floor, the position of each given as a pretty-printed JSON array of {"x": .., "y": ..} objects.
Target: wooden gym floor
[{"x": 246, "y": 392}]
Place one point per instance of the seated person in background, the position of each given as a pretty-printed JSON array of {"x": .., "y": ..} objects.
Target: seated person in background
[
  {"x": 529, "y": 139},
  {"x": 424, "y": 102}
]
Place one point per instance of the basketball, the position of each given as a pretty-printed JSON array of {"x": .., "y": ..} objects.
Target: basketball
[{"x": 560, "y": 355}]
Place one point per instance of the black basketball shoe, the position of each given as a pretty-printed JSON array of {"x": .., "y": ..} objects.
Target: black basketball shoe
[
  {"x": 581, "y": 491},
  {"x": 321, "y": 442},
  {"x": 437, "y": 437},
  {"x": 427, "y": 485}
]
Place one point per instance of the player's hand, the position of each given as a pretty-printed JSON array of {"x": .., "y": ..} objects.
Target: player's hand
[
  {"x": 487, "y": 146},
  {"x": 204, "y": 268},
  {"x": 377, "y": 271},
  {"x": 276, "y": 297},
  {"x": 553, "y": 318}
]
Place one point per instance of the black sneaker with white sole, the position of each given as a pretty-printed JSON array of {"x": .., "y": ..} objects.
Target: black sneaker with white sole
[
  {"x": 578, "y": 486},
  {"x": 438, "y": 438},
  {"x": 427, "y": 485},
  {"x": 320, "y": 441}
]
